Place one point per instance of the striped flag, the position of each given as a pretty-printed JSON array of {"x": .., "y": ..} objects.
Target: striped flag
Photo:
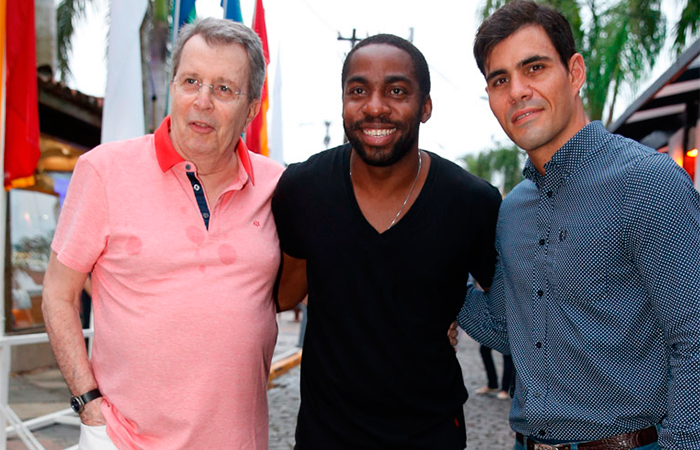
[
  {"x": 256, "y": 135},
  {"x": 232, "y": 10},
  {"x": 19, "y": 93}
]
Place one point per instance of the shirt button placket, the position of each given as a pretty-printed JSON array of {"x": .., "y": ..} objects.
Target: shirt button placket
[{"x": 540, "y": 290}]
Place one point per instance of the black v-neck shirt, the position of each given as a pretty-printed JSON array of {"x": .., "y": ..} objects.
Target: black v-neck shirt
[{"x": 378, "y": 370}]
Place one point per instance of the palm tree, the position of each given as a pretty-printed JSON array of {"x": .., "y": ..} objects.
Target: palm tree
[
  {"x": 619, "y": 43},
  {"x": 687, "y": 26},
  {"x": 68, "y": 13},
  {"x": 502, "y": 164},
  {"x": 154, "y": 51}
]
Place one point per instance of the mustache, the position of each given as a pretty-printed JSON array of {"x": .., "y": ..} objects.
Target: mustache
[
  {"x": 369, "y": 121},
  {"x": 523, "y": 104}
]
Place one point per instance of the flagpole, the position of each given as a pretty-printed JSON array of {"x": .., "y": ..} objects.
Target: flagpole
[{"x": 5, "y": 359}]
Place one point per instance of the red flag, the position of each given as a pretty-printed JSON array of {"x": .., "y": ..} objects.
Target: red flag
[
  {"x": 256, "y": 135},
  {"x": 22, "y": 109}
]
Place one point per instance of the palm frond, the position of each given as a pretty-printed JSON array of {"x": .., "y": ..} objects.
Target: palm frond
[
  {"x": 687, "y": 26},
  {"x": 67, "y": 13}
]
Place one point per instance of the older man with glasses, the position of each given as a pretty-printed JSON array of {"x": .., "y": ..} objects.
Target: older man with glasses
[{"x": 177, "y": 232}]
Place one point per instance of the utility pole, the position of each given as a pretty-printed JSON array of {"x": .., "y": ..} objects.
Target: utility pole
[
  {"x": 327, "y": 139},
  {"x": 353, "y": 39}
]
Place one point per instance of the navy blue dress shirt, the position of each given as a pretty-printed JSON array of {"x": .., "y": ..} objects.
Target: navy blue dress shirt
[{"x": 596, "y": 294}]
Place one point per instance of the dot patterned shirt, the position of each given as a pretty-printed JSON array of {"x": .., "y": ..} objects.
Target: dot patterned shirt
[{"x": 596, "y": 294}]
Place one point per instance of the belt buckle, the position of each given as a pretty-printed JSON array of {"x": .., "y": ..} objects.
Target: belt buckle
[{"x": 539, "y": 446}]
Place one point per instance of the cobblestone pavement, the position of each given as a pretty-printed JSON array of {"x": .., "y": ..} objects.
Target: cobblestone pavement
[{"x": 486, "y": 416}]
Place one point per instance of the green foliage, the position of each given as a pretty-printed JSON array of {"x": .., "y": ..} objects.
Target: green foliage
[
  {"x": 687, "y": 26},
  {"x": 623, "y": 43},
  {"x": 67, "y": 14},
  {"x": 505, "y": 163}
]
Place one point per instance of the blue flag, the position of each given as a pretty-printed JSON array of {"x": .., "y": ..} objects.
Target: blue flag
[
  {"x": 186, "y": 12},
  {"x": 232, "y": 10}
]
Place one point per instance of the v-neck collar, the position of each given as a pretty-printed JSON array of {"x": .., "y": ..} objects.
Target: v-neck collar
[{"x": 407, "y": 215}]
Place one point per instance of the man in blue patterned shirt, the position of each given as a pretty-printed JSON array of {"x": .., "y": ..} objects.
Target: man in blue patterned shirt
[{"x": 596, "y": 292}]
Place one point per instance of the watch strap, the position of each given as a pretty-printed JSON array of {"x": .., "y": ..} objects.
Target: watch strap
[{"x": 90, "y": 396}]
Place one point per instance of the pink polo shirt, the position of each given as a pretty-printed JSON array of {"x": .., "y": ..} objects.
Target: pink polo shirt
[{"x": 184, "y": 317}]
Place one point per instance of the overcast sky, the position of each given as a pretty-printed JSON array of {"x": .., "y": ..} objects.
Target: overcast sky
[{"x": 304, "y": 35}]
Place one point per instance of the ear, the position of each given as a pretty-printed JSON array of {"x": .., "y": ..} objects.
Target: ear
[
  {"x": 577, "y": 72},
  {"x": 253, "y": 109},
  {"x": 427, "y": 110}
]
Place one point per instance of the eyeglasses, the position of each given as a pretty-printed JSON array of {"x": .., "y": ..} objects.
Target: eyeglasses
[{"x": 221, "y": 92}]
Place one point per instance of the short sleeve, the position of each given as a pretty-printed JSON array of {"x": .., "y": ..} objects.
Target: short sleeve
[
  {"x": 484, "y": 250},
  {"x": 83, "y": 225},
  {"x": 287, "y": 215}
]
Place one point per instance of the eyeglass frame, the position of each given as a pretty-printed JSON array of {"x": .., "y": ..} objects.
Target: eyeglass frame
[{"x": 179, "y": 82}]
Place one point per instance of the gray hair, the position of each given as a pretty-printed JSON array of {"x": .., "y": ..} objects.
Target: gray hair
[{"x": 223, "y": 32}]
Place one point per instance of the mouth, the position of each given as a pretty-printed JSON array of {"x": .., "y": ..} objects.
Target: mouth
[
  {"x": 200, "y": 126},
  {"x": 523, "y": 114},
  {"x": 378, "y": 132}
]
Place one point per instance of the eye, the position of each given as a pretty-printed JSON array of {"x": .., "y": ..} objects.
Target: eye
[
  {"x": 536, "y": 67},
  {"x": 190, "y": 81},
  {"x": 397, "y": 91},
  {"x": 357, "y": 90},
  {"x": 223, "y": 89},
  {"x": 499, "y": 81}
]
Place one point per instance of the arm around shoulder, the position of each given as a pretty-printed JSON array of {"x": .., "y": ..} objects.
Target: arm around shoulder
[{"x": 478, "y": 321}]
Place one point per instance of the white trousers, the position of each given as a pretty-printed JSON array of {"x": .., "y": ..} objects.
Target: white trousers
[{"x": 94, "y": 438}]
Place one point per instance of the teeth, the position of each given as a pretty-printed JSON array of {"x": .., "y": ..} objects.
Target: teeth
[
  {"x": 524, "y": 115},
  {"x": 379, "y": 132}
]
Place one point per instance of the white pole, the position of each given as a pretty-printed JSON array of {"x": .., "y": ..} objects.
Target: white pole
[{"x": 5, "y": 350}]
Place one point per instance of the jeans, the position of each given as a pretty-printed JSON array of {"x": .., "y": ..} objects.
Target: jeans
[{"x": 491, "y": 369}]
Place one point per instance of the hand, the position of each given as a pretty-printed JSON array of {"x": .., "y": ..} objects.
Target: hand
[
  {"x": 92, "y": 413},
  {"x": 452, "y": 333}
]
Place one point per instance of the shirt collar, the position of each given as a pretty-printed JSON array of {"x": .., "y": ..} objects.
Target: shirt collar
[
  {"x": 168, "y": 156},
  {"x": 570, "y": 155}
]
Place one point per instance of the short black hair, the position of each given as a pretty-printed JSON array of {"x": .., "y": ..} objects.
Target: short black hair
[
  {"x": 420, "y": 65},
  {"x": 515, "y": 15}
]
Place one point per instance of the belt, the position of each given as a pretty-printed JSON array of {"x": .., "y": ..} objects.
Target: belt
[{"x": 625, "y": 441}]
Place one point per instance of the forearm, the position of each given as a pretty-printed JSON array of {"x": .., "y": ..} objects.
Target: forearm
[
  {"x": 61, "y": 309},
  {"x": 680, "y": 429},
  {"x": 292, "y": 285},
  {"x": 476, "y": 319},
  {"x": 65, "y": 334}
]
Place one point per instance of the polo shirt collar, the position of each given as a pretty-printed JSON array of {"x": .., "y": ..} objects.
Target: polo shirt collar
[{"x": 167, "y": 155}]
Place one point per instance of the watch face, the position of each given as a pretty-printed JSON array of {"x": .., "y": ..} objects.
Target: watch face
[{"x": 76, "y": 405}]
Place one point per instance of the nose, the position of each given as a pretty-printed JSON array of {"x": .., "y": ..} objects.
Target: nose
[
  {"x": 376, "y": 105},
  {"x": 204, "y": 97},
  {"x": 519, "y": 88}
]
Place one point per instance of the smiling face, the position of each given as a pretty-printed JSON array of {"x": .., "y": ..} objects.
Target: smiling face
[
  {"x": 382, "y": 104},
  {"x": 533, "y": 96},
  {"x": 202, "y": 126}
]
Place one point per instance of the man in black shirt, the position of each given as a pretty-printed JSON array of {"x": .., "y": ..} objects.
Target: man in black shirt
[{"x": 383, "y": 236}]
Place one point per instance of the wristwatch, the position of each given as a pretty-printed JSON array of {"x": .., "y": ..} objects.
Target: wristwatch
[{"x": 77, "y": 403}]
